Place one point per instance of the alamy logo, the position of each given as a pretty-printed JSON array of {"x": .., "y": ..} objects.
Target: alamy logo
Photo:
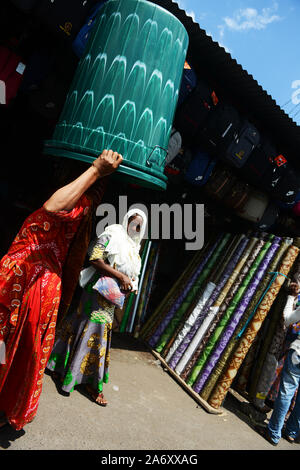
[
  {"x": 296, "y": 94},
  {"x": 164, "y": 222}
]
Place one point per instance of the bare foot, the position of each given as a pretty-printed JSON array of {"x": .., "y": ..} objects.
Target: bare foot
[
  {"x": 98, "y": 397},
  {"x": 101, "y": 400}
]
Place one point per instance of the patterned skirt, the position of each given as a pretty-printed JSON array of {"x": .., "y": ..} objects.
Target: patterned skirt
[{"x": 81, "y": 350}]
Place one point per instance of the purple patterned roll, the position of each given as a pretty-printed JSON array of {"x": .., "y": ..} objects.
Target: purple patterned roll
[
  {"x": 161, "y": 327},
  {"x": 186, "y": 341},
  {"x": 236, "y": 317}
]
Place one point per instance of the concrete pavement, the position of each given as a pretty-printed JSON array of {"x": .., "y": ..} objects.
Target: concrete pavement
[{"x": 148, "y": 410}]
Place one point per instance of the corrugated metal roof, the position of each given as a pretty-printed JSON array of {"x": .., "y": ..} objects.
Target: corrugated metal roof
[{"x": 212, "y": 61}]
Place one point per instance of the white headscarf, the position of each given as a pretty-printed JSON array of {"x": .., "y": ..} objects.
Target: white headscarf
[{"x": 122, "y": 250}]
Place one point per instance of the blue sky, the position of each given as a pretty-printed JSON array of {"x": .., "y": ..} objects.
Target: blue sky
[{"x": 263, "y": 36}]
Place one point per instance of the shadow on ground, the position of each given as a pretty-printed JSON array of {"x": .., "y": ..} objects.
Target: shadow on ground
[
  {"x": 8, "y": 435},
  {"x": 126, "y": 341}
]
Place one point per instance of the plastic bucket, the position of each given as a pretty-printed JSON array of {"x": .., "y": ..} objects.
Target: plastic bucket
[{"x": 124, "y": 92}]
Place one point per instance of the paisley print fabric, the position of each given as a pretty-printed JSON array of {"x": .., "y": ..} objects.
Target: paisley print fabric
[
  {"x": 81, "y": 352},
  {"x": 30, "y": 292}
]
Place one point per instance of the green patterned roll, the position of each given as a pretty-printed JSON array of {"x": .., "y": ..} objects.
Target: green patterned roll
[
  {"x": 192, "y": 295},
  {"x": 225, "y": 319}
]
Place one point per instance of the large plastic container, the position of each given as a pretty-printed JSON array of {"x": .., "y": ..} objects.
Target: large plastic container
[{"x": 124, "y": 92}]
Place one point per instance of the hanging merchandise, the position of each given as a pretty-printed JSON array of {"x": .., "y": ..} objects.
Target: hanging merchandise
[
  {"x": 255, "y": 207},
  {"x": 237, "y": 196},
  {"x": 288, "y": 186},
  {"x": 222, "y": 126},
  {"x": 200, "y": 168},
  {"x": 63, "y": 18},
  {"x": 48, "y": 99},
  {"x": 285, "y": 206},
  {"x": 175, "y": 170},
  {"x": 174, "y": 145},
  {"x": 259, "y": 164},
  {"x": 82, "y": 37},
  {"x": 220, "y": 183},
  {"x": 193, "y": 113},
  {"x": 242, "y": 145},
  {"x": 269, "y": 217},
  {"x": 270, "y": 171},
  {"x": 39, "y": 65},
  {"x": 296, "y": 209},
  {"x": 188, "y": 83},
  {"x": 276, "y": 168},
  {"x": 12, "y": 68},
  {"x": 25, "y": 5}
]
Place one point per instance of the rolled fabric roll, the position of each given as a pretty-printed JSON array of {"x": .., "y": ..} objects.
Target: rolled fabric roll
[
  {"x": 165, "y": 304},
  {"x": 187, "y": 284},
  {"x": 214, "y": 274},
  {"x": 268, "y": 360},
  {"x": 185, "y": 364},
  {"x": 191, "y": 296},
  {"x": 206, "y": 355},
  {"x": 203, "y": 386},
  {"x": 222, "y": 387},
  {"x": 247, "y": 265},
  {"x": 241, "y": 383},
  {"x": 201, "y": 316}
]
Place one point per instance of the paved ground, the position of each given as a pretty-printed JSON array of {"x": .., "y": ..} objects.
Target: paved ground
[{"x": 148, "y": 410}]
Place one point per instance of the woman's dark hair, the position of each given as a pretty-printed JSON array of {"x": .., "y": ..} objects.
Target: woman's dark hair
[{"x": 133, "y": 216}]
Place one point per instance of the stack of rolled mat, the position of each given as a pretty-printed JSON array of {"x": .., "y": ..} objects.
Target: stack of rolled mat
[
  {"x": 260, "y": 373},
  {"x": 205, "y": 326}
]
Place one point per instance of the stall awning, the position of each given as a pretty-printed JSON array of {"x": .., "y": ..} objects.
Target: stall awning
[{"x": 234, "y": 83}]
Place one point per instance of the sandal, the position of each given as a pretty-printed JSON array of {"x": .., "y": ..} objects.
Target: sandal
[
  {"x": 288, "y": 438},
  {"x": 98, "y": 397}
]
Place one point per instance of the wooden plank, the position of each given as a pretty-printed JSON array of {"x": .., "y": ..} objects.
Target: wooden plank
[{"x": 189, "y": 389}]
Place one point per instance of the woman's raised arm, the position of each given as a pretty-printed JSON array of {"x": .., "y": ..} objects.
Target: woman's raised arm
[{"x": 66, "y": 197}]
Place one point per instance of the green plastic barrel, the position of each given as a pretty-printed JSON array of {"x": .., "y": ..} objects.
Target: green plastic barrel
[{"x": 124, "y": 92}]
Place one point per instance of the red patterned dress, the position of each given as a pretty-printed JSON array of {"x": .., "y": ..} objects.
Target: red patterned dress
[{"x": 30, "y": 292}]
